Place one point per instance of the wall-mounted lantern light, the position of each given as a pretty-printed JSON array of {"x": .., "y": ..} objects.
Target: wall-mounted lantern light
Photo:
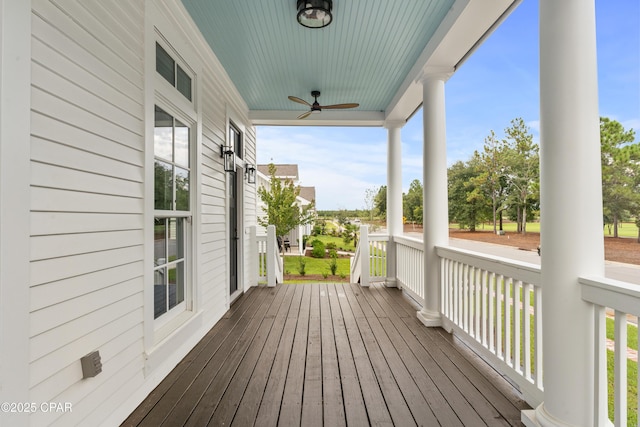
[
  {"x": 314, "y": 13},
  {"x": 250, "y": 173},
  {"x": 226, "y": 152}
]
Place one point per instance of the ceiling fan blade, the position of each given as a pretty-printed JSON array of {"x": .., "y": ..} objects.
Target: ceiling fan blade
[
  {"x": 339, "y": 106},
  {"x": 300, "y": 101},
  {"x": 304, "y": 115}
]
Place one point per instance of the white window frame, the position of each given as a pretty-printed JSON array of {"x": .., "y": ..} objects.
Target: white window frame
[{"x": 167, "y": 97}]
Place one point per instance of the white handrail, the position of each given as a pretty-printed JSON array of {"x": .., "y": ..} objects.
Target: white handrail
[
  {"x": 261, "y": 247},
  {"x": 494, "y": 304},
  {"x": 624, "y": 299},
  {"x": 410, "y": 266},
  {"x": 273, "y": 259}
]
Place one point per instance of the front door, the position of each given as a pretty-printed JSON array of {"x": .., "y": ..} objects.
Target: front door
[{"x": 233, "y": 232}]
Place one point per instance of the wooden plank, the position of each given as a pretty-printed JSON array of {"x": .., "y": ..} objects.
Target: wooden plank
[
  {"x": 312, "y": 407},
  {"x": 436, "y": 346},
  {"x": 454, "y": 396},
  {"x": 226, "y": 409},
  {"x": 333, "y": 404},
  {"x": 354, "y": 405},
  {"x": 375, "y": 404},
  {"x": 270, "y": 406},
  {"x": 250, "y": 402},
  {"x": 163, "y": 398},
  {"x": 257, "y": 330},
  {"x": 398, "y": 406},
  {"x": 177, "y": 405},
  {"x": 393, "y": 327},
  {"x": 291, "y": 407}
]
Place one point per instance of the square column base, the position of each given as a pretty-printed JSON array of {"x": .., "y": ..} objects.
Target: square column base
[
  {"x": 430, "y": 319},
  {"x": 390, "y": 282}
]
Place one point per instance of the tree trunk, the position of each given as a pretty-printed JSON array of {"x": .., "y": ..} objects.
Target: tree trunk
[
  {"x": 615, "y": 225},
  {"x": 524, "y": 219},
  {"x": 493, "y": 199}
]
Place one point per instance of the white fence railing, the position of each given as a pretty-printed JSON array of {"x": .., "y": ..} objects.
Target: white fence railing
[
  {"x": 494, "y": 304},
  {"x": 624, "y": 300},
  {"x": 371, "y": 252},
  {"x": 410, "y": 266},
  {"x": 261, "y": 247}
]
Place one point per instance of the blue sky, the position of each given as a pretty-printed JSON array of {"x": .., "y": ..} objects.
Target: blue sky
[{"x": 497, "y": 84}]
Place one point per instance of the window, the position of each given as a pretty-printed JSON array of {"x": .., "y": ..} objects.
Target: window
[
  {"x": 172, "y": 72},
  {"x": 169, "y": 264},
  {"x": 171, "y": 143},
  {"x": 236, "y": 140},
  {"x": 171, "y": 151}
]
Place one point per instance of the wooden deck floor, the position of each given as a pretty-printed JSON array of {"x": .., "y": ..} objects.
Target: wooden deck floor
[{"x": 333, "y": 355}]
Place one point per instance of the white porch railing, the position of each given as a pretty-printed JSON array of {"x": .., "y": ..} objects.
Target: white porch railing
[
  {"x": 410, "y": 266},
  {"x": 269, "y": 263},
  {"x": 261, "y": 247},
  {"x": 371, "y": 251},
  {"x": 624, "y": 299},
  {"x": 494, "y": 304}
]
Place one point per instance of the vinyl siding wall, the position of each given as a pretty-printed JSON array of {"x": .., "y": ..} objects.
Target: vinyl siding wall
[{"x": 88, "y": 220}]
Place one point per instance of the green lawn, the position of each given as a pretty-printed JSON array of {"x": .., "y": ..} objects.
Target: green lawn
[
  {"x": 339, "y": 242},
  {"x": 625, "y": 229},
  {"x": 316, "y": 266}
]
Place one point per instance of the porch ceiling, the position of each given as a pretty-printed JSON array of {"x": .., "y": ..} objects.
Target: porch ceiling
[{"x": 372, "y": 53}]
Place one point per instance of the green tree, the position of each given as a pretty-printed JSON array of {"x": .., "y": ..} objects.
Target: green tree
[
  {"x": 380, "y": 201},
  {"x": 369, "y": 201},
  {"x": 491, "y": 181},
  {"x": 468, "y": 206},
  {"x": 413, "y": 200},
  {"x": 620, "y": 157},
  {"x": 282, "y": 210},
  {"x": 523, "y": 170}
]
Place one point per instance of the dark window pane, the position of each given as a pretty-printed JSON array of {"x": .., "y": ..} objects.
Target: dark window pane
[
  {"x": 163, "y": 135},
  {"x": 182, "y": 189},
  {"x": 183, "y": 83},
  {"x": 181, "y": 144},
  {"x": 236, "y": 140},
  {"x": 176, "y": 239},
  {"x": 176, "y": 285},
  {"x": 159, "y": 292},
  {"x": 163, "y": 186},
  {"x": 180, "y": 282},
  {"x": 165, "y": 65},
  {"x": 159, "y": 241}
]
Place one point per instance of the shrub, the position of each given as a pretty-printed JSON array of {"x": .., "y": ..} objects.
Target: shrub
[
  {"x": 333, "y": 264},
  {"x": 318, "y": 249},
  {"x": 331, "y": 246},
  {"x": 325, "y": 274},
  {"x": 302, "y": 263}
]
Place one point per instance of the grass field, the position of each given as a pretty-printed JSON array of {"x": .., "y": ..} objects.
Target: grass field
[
  {"x": 316, "y": 266},
  {"x": 625, "y": 229},
  {"x": 338, "y": 241}
]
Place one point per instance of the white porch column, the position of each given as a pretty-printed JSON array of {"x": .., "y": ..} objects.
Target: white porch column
[
  {"x": 435, "y": 216},
  {"x": 571, "y": 209},
  {"x": 15, "y": 143},
  {"x": 394, "y": 196}
]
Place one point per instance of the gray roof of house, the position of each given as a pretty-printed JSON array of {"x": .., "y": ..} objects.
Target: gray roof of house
[
  {"x": 282, "y": 171},
  {"x": 308, "y": 193}
]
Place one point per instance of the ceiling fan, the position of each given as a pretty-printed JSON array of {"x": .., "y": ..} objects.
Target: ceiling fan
[{"x": 316, "y": 108}]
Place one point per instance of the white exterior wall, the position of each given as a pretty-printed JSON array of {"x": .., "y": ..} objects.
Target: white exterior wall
[{"x": 91, "y": 218}]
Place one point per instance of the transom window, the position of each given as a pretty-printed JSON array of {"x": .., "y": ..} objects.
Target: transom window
[{"x": 172, "y": 72}]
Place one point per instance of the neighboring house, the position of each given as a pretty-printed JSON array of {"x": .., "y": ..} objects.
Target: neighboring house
[
  {"x": 124, "y": 239},
  {"x": 307, "y": 196}
]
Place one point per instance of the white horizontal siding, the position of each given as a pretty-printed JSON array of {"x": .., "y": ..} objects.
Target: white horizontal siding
[
  {"x": 87, "y": 270},
  {"x": 87, "y": 201}
]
